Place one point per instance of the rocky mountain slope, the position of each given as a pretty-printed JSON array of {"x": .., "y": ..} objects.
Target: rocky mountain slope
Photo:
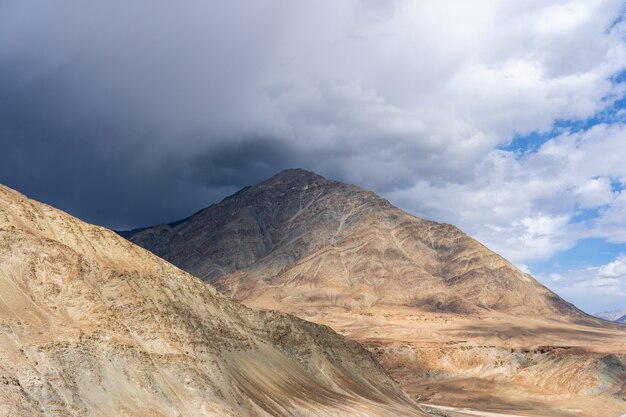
[
  {"x": 312, "y": 240},
  {"x": 454, "y": 322},
  {"x": 92, "y": 325}
]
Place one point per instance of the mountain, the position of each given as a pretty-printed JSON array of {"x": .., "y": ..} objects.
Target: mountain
[
  {"x": 91, "y": 324},
  {"x": 451, "y": 320},
  {"x": 614, "y": 315},
  {"x": 317, "y": 241}
]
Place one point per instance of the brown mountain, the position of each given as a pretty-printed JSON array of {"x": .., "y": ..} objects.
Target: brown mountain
[
  {"x": 454, "y": 322},
  {"x": 92, "y": 325},
  {"x": 316, "y": 241}
]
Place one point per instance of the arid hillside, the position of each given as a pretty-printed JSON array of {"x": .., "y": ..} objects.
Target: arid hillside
[
  {"x": 299, "y": 238},
  {"x": 454, "y": 322},
  {"x": 92, "y": 325}
]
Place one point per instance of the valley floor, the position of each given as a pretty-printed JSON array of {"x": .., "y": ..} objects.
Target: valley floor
[
  {"x": 443, "y": 411},
  {"x": 498, "y": 364}
]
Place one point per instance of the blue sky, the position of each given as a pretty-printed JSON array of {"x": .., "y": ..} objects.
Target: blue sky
[
  {"x": 580, "y": 273},
  {"x": 505, "y": 118}
]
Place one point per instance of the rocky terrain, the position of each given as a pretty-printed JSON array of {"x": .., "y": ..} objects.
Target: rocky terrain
[
  {"x": 299, "y": 238},
  {"x": 456, "y": 324},
  {"x": 92, "y": 325}
]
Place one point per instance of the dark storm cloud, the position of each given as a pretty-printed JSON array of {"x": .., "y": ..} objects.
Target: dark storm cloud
[
  {"x": 132, "y": 115},
  {"x": 96, "y": 103},
  {"x": 242, "y": 162},
  {"x": 83, "y": 155},
  {"x": 95, "y": 169}
]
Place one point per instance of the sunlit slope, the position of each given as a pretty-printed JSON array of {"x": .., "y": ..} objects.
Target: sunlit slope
[
  {"x": 299, "y": 238},
  {"x": 91, "y": 324}
]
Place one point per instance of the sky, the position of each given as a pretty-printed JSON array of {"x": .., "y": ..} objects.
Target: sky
[{"x": 504, "y": 118}]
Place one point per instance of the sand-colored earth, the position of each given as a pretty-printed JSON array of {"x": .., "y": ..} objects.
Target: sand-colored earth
[
  {"x": 92, "y": 325},
  {"x": 455, "y": 323},
  {"x": 498, "y": 364}
]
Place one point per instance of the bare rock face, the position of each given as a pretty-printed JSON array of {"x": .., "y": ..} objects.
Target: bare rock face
[
  {"x": 454, "y": 323},
  {"x": 299, "y": 238},
  {"x": 92, "y": 325}
]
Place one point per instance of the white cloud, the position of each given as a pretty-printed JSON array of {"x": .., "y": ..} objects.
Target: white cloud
[
  {"x": 436, "y": 102},
  {"x": 465, "y": 89},
  {"x": 555, "y": 277},
  {"x": 615, "y": 269},
  {"x": 593, "y": 288},
  {"x": 390, "y": 92},
  {"x": 595, "y": 192},
  {"x": 525, "y": 206}
]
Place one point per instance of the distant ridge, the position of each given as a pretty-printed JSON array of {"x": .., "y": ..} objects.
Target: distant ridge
[{"x": 614, "y": 315}]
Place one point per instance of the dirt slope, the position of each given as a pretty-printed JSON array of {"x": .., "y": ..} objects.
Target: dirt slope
[
  {"x": 92, "y": 325},
  {"x": 318, "y": 241}
]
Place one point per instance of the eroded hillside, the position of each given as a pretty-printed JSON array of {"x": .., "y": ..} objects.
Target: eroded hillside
[{"x": 91, "y": 324}]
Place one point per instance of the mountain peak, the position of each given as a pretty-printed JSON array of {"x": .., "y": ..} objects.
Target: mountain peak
[
  {"x": 295, "y": 173},
  {"x": 358, "y": 249},
  {"x": 295, "y": 178},
  {"x": 613, "y": 315}
]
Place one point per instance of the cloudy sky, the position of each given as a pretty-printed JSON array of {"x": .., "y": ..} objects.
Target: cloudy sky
[{"x": 505, "y": 118}]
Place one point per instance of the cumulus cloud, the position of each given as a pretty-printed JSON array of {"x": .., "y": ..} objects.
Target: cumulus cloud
[
  {"x": 593, "y": 288},
  {"x": 595, "y": 192},
  {"x": 615, "y": 269},
  {"x": 535, "y": 204}
]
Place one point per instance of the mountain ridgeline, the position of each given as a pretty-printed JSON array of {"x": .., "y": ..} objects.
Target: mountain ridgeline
[{"x": 300, "y": 238}]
